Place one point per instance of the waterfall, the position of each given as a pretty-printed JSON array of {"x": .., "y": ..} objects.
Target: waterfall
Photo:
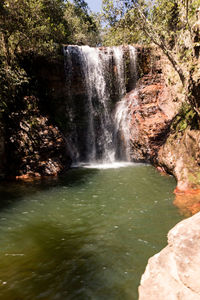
[
  {"x": 122, "y": 126},
  {"x": 94, "y": 64},
  {"x": 118, "y": 56},
  {"x": 72, "y": 138},
  {"x": 95, "y": 81},
  {"x": 122, "y": 112},
  {"x": 133, "y": 66}
]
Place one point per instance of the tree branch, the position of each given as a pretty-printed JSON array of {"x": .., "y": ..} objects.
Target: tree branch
[{"x": 151, "y": 32}]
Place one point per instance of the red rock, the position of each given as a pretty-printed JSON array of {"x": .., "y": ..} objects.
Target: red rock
[
  {"x": 149, "y": 122},
  {"x": 185, "y": 192}
]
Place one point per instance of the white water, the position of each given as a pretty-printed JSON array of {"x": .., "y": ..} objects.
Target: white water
[
  {"x": 133, "y": 65},
  {"x": 122, "y": 113},
  {"x": 94, "y": 64},
  {"x": 104, "y": 166},
  {"x": 119, "y": 61},
  {"x": 122, "y": 121},
  {"x": 107, "y": 131}
]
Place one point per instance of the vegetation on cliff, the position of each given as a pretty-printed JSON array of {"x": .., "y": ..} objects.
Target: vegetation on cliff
[
  {"x": 173, "y": 26},
  {"x": 32, "y": 31},
  {"x": 37, "y": 28}
]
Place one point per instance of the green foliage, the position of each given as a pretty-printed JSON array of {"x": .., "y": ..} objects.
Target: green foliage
[
  {"x": 83, "y": 27},
  {"x": 172, "y": 26},
  {"x": 121, "y": 24},
  {"x": 12, "y": 81},
  {"x": 27, "y": 27},
  {"x": 32, "y": 28},
  {"x": 186, "y": 117},
  {"x": 166, "y": 15},
  {"x": 113, "y": 11}
]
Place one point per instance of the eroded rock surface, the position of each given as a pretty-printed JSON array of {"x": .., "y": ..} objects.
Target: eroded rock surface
[
  {"x": 36, "y": 147},
  {"x": 181, "y": 156},
  {"x": 2, "y": 149},
  {"x": 162, "y": 131},
  {"x": 152, "y": 111},
  {"x": 174, "y": 273}
]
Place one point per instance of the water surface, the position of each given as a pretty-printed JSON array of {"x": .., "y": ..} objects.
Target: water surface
[{"x": 87, "y": 235}]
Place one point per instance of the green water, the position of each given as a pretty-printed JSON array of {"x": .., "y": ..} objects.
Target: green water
[{"x": 85, "y": 236}]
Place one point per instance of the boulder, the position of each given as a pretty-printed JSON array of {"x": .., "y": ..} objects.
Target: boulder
[{"x": 174, "y": 273}]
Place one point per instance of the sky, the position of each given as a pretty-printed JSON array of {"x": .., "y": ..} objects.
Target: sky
[{"x": 94, "y": 5}]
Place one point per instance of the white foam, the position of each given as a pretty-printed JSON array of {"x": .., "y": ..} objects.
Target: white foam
[{"x": 114, "y": 165}]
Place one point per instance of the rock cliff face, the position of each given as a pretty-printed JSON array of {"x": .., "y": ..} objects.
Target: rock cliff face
[
  {"x": 35, "y": 147},
  {"x": 181, "y": 156},
  {"x": 152, "y": 108},
  {"x": 31, "y": 142},
  {"x": 2, "y": 150},
  {"x": 157, "y": 132},
  {"x": 174, "y": 272}
]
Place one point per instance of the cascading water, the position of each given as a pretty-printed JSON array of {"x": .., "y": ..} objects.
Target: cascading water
[
  {"x": 118, "y": 56},
  {"x": 122, "y": 127},
  {"x": 94, "y": 65},
  {"x": 133, "y": 66},
  {"x": 102, "y": 129},
  {"x": 122, "y": 113}
]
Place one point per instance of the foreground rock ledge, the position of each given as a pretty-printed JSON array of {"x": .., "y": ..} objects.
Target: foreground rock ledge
[{"x": 174, "y": 273}]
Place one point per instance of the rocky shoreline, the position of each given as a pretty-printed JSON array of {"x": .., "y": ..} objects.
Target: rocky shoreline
[
  {"x": 160, "y": 136},
  {"x": 173, "y": 273}
]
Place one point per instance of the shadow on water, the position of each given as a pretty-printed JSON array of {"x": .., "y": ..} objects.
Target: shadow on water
[
  {"x": 11, "y": 192},
  {"x": 50, "y": 263}
]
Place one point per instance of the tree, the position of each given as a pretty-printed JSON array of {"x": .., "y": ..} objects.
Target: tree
[
  {"x": 120, "y": 25},
  {"x": 27, "y": 27},
  {"x": 170, "y": 26},
  {"x": 83, "y": 26},
  {"x": 32, "y": 28},
  {"x": 112, "y": 11}
]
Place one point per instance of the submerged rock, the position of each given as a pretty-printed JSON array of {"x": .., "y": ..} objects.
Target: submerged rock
[{"x": 174, "y": 272}]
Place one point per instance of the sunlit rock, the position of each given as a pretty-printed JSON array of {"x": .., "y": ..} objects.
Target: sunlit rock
[{"x": 174, "y": 273}]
